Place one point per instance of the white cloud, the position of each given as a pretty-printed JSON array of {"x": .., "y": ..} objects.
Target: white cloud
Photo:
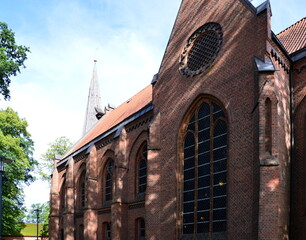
[
  {"x": 51, "y": 93},
  {"x": 131, "y": 36}
]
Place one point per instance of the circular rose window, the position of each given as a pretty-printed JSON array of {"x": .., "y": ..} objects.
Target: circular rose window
[{"x": 201, "y": 49}]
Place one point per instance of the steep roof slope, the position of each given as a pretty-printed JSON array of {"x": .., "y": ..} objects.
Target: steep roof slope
[
  {"x": 294, "y": 37},
  {"x": 115, "y": 117}
]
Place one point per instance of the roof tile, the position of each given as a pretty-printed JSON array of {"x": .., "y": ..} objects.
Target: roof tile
[
  {"x": 116, "y": 116},
  {"x": 294, "y": 37}
]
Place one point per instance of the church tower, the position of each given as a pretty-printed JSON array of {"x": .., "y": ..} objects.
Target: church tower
[{"x": 93, "y": 102}]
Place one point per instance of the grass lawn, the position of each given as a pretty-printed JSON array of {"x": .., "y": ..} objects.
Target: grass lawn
[{"x": 30, "y": 229}]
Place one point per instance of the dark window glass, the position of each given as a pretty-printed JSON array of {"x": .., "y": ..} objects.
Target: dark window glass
[
  {"x": 83, "y": 194},
  {"x": 81, "y": 232},
  {"x": 109, "y": 180},
  {"x": 142, "y": 171},
  {"x": 268, "y": 126},
  {"x": 205, "y": 171},
  {"x": 188, "y": 196},
  {"x": 142, "y": 229},
  {"x": 191, "y": 125},
  {"x": 82, "y": 190},
  {"x": 217, "y": 112},
  {"x": 63, "y": 197},
  {"x": 107, "y": 231},
  {"x": 189, "y": 184}
]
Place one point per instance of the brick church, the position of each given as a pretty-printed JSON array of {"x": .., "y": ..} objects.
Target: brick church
[{"x": 213, "y": 148}]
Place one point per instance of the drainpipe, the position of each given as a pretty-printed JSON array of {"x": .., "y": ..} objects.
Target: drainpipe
[{"x": 291, "y": 83}]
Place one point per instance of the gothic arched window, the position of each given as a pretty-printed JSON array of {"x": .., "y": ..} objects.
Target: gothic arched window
[
  {"x": 63, "y": 197},
  {"x": 204, "y": 170},
  {"x": 82, "y": 190},
  {"x": 268, "y": 126},
  {"x": 142, "y": 169},
  {"x": 109, "y": 169}
]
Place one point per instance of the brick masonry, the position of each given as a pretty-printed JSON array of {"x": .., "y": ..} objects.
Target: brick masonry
[{"x": 262, "y": 201}]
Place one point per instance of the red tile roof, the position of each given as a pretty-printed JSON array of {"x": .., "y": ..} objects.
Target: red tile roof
[
  {"x": 294, "y": 37},
  {"x": 116, "y": 116}
]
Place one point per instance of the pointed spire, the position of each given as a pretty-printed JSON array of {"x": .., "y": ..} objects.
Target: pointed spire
[{"x": 93, "y": 103}]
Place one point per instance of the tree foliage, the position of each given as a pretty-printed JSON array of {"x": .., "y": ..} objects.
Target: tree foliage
[
  {"x": 12, "y": 57},
  {"x": 15, "y": 144},
  {"x": 58, "y": 147},
  {"x": 31, "y": 217}
]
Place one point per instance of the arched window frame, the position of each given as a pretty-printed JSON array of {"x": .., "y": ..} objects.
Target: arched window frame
[
  {"x": 82, "y": 190},
  {"x": 108, "y": 180},
  {"x": 268, "y": 126},
  {"x": 185, "y": 130},
  {"x": 267, "y": 129},
  {"x": 141, "y": 170},
  {"x": 63, "y": 196}
]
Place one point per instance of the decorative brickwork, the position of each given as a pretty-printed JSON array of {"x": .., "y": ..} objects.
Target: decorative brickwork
[
  {"x": 201, "y": 49},
  {"x": 219, "y": 155}
]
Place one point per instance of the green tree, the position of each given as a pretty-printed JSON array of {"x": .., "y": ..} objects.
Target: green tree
[
  {"x": 31, "y": 217},
  {"x": 12, "y": 57},
  {"x": 15, "y": 144},
  {"x": 58, "y": 147}
]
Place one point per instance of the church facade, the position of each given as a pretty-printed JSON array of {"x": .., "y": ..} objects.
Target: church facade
[{"x": 213, "y": 148}]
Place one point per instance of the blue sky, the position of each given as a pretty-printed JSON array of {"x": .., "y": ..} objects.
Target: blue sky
[{"x": 128, "y": 38}]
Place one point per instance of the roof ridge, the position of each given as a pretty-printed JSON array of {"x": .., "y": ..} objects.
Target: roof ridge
[{"x": 291, "y": 26}]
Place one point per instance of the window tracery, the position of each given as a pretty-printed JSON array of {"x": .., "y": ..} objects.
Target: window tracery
[{"x": 205, "y": 170}]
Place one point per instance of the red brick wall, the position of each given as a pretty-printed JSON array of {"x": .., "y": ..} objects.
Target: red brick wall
[
  {"x": 125, "y": 207},
  {"x": 231, "y": 79},
  {"x": 258, "y": 194},
  {"x": 298, "y": 204}
]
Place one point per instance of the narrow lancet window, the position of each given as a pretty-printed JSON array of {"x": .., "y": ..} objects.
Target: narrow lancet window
[
  {"x": 268, "y": 126},
  {"x": 109, "y": 179},
  {"x": 142, "y": 170}
]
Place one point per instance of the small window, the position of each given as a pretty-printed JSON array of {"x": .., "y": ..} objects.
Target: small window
[
  {"x": 109, "y": 179},
  {"x": 82, "y": 190},
  {"x": 63, "y": 197},
  {"x": 142, "y": 169},
  {"x": 140, "y": 229},
  {"x": 268, "y": 126},
  {"x": 83, "y": 194},
  {"x": 81, "y": 232},
  {"x": 107, "y": 231}
]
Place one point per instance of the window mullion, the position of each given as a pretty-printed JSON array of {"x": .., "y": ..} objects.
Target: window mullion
[
  {"x": 211, "y": 160},
  {"x": 196, "y": 150}
]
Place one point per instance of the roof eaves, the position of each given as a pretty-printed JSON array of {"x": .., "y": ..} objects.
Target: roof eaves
[
  {"x": 297, "y": 55},
  {"x": 116, "y": 129},
  {"x": 280, "y": 45}
]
